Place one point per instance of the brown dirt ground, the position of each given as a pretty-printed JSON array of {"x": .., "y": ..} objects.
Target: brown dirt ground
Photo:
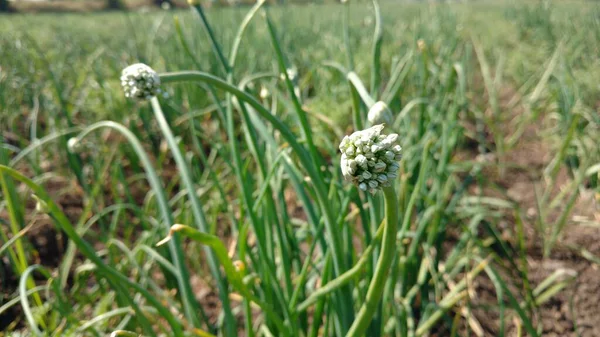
[{"x": 574, "y": 311}]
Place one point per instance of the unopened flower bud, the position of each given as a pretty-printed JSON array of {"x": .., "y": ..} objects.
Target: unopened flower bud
[
  {"x": 379, "y": 113},
  {"x": 361, "y": 160},
  {"x": 73, "y": 145},
  {"x": 379, "y": 166},
  {"x": 264, "y": 93}
]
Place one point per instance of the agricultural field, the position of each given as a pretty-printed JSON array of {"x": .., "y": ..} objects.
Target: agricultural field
[{"x": 352, "y": 169}]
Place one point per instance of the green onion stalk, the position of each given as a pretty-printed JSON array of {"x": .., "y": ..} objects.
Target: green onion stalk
[{"x": 370, "y": 160}]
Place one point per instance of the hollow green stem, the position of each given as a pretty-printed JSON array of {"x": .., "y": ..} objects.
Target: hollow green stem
[
  {"x": 287, "y": 134},
  {"x": 377, "y": 39},
  {"x": 197, "y": 211},
  {"x": 345, "y": 277},
  {"x": 185, "y": 289},
  {"x": 213, "y": 40},
  {"x": 388, "y": 250},
  {"x": 346, "y": 31}
]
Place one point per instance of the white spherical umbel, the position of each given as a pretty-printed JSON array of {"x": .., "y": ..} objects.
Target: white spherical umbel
[
  {"x": 141, "y": 82},
  {"x": 370, "y": 159}
]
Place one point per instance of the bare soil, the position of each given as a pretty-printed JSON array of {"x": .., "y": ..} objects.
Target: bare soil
[{"x": 575, "y": 310}]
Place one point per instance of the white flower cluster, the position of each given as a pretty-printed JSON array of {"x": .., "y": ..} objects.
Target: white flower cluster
[
  {"x": 140, "y": 81},
  {"x": 370, "y": 159}
]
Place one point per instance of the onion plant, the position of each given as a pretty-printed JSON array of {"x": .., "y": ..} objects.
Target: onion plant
[{"x": 235, "y": 146}]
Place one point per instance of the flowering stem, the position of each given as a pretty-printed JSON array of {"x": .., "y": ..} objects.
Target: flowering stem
[
  {"x": 388, "y": 250},
  {"x": 197, "y": 211},
  {"x": 377, "y": 39},
  {"x": 287, "y": 134}
]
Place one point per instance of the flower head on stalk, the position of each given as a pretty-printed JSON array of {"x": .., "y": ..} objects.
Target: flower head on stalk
[
  {"x": 370, "y": 159},
  {"x": 141, "y": 82},
  {"x": 74, "y": 144},
  {"x": 379, "y": 113}
]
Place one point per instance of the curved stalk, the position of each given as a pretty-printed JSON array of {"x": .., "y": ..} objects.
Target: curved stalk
[
  {"x": 235, "y": 277},
  {"x": 187, "y": 297},
  {"x": 87, "y": 250},
  {"x": 303, "y": 154}
]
